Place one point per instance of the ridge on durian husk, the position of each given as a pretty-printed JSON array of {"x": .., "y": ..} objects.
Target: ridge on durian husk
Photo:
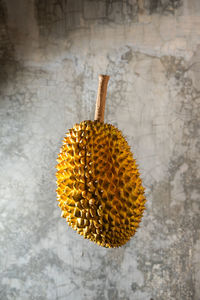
[{"x": 99, "y": 189}]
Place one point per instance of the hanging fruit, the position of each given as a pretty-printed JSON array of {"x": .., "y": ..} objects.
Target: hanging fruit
[{"x": 99, "y": 189}]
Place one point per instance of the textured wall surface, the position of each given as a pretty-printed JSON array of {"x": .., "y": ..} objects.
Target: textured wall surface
[{"x": 51, "y": 53}]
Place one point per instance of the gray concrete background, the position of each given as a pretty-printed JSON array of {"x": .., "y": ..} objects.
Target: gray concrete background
[{"x": 51, "y": 53}]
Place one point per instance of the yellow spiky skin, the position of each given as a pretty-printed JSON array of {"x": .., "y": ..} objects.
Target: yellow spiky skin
[{"x": 99, "y": 189}]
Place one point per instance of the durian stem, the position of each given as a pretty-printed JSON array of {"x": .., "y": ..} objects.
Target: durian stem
[{"x": 101, "y": 98}]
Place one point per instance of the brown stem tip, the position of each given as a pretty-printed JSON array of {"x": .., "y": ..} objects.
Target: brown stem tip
[{"x": 101, "y": 97}]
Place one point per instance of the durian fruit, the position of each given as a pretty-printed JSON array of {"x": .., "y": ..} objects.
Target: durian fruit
[{"x": 99, "y": 189}]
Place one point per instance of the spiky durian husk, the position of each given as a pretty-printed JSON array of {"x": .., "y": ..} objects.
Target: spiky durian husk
[{"x": 99, "y": 189}]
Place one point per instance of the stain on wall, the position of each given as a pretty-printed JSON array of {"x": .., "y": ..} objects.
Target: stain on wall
[
  {"x": 6, "y": 46},
  {"x": 51, "y": 53},
  {"x": 59, "y": 17}
]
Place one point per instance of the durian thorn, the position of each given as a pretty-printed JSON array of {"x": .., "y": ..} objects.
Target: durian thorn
[{"x": 101, "y": 98}]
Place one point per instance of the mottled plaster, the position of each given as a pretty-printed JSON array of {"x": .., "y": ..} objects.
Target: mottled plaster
[{"x": 51, "y": 53}]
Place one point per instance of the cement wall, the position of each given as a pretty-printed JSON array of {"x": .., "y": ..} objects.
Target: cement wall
[{"x": 51, "y": 53}]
